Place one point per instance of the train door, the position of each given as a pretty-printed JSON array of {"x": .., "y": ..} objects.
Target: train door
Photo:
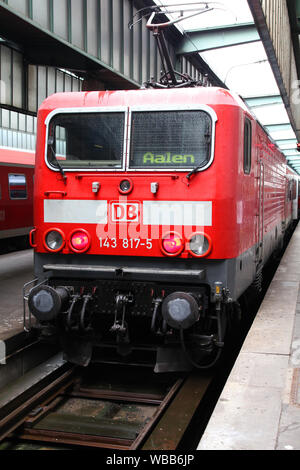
[{"x": 260, "y": 212}]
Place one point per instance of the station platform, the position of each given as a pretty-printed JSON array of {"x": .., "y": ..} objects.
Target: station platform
[
  {"x": 15, "y": 270},
  {"x": 259, "y": 407}
]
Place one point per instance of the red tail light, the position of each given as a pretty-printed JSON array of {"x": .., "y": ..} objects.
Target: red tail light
[
  {"x": 79, "y": 241},
  {"x": 172, "y": 244}
]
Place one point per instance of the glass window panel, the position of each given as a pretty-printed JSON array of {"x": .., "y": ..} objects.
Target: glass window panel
[
  {"x": 14, "y": 120},
  {"x": 5, "y": 118},
  {"x": 87, "y": 140},
  {"x": 22, "y": 122},
  {"x": 17, "y": 79},
  {"x": 5, "y": 73},
  {"x": 170, "y": 139},
  {"x": 17, "y": 186}
]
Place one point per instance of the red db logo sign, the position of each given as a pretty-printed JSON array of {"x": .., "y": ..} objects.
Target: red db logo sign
[{"x": 124, "y": 212}]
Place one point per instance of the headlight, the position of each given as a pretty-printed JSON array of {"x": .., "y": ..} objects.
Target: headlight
[
  {"x": 199, "y": 244},
  {"x": 125, "y": 186},
  {"x": 79, "y": 241},
  {"x": 172, "y": 244},
  {"x": 54, "y": 240}
]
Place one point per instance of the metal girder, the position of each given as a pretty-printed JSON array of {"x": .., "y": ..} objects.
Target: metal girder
[
  {"x": 294, "y": 16},
  {"x": 41, "y": 46},
  {"x": 290, "y": 152},
  {"x": 259, "y": 101},
  {"x": 256, "y": 7},
  {"x": 214, "y": 38},
  {"x": 278, "y": 127},
  {"x": 289, "y": 147},
  {"x": 286, "y": 141}
]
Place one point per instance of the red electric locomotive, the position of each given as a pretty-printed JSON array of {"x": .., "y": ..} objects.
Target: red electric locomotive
[
  {"x": 16, "y": 195},
  {"x": 154, "y": 211}
]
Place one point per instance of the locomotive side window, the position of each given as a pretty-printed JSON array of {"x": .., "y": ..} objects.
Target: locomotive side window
[
  {"x": 17, "y": 186},
  {"x": 170, "y": 139},
  {"x": 86, "y": 140},
  {"x": 247, "y": 146}
]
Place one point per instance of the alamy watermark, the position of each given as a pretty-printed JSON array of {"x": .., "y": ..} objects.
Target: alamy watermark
[{"x": 127, "y": 219}]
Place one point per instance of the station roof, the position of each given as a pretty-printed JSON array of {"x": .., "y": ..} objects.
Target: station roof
[{"x": 226, "y": 38}]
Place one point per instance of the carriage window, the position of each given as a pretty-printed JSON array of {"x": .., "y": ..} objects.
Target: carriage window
[
  {"x": 247, "y": 146},
  {"x": 86, "y": 140},
  {"x": 17, "y": 186},
  {"x": 170, "y": 139}
]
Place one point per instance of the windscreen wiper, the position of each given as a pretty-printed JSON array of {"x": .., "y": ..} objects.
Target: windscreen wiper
[
  {"x": 207, "y": 136},
  {"x": 194, "y": 170},
  {"x": 61, "y": 170}
]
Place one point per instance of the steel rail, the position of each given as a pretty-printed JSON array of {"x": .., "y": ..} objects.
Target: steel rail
[
  {"x": 20, "y": 406},
  {"x": 100, "y": 441}
]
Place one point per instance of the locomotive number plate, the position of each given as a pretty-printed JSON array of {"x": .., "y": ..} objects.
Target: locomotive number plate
[{"x": 125, "y": 243}]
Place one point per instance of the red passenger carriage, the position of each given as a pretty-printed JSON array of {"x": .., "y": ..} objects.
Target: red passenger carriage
[{"x": 16, "y": 195}]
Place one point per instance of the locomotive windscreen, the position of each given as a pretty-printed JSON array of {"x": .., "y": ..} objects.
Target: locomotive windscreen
[
  {"x": 170, "y": 139},
  {"x": 87, "y": 140}
]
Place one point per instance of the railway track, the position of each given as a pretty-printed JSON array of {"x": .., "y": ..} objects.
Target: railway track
[{"x": 100, "y": 407}]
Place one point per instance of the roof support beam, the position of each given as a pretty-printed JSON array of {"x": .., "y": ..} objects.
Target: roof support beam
[
  {"x": 287, "y": 142},
  {"x": 291, "y": 152},
  {"x": 278, "y": 127},
  {"x": 259, "y": 101},
  {"x": 277, "y": 43},
  {"x": 214, "y": 38}
]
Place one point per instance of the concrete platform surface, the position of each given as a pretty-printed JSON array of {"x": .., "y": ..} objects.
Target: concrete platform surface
[
  {"x": 15, "y": 270},
  {"x": 259, "y": 408}
]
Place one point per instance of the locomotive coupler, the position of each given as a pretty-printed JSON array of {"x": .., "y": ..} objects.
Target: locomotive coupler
[
  {"x": 221, "y": 294},
  {"x": 84, "y": 322},
  {"x": 219, "y": 341},
  {"x": 75, "y": 298},
  {"x": 120, "y": 326},
  {"x": 159, "y": 331}
]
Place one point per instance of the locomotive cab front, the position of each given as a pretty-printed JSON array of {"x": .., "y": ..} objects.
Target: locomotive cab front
[{"x": 136, "y": 224}]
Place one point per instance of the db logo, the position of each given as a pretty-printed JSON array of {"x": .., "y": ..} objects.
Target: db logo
[{"x": 125, "y": 212}]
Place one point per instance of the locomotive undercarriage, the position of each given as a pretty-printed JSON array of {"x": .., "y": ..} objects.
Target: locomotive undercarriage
[{"x": 175, "y": 326}]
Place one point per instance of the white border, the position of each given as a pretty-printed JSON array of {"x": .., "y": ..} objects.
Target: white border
[
  {"x": 188, "y": 107},
  {"x": 9, "y": 185},
  {"x": 84, "y": 110},
  {"x": 127, "y": 134}
]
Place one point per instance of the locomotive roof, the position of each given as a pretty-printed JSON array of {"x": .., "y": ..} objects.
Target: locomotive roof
[
  {"x": 202, "y": 95},
  {"x": 16, "y": 157}
]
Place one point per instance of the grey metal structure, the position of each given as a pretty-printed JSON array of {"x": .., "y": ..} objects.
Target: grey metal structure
[
  {"x": 48, "y": 46},
  {"x": 275, "y": 20},
  {"x": 213, "y": 38}
]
